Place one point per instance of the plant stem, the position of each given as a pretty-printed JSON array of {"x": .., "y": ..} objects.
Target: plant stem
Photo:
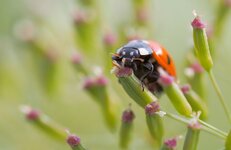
[
  {"x": 213, "y": 128},
  {"x": 206, "y": 127},
  {"x": 221, "y": 98}
]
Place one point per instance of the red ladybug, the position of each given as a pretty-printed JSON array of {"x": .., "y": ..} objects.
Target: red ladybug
[{"x": 144, "y": 58}]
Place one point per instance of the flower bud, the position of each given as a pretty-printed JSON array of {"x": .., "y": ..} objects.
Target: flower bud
[
  {"x": 197, "y": 79},
  {"x": 126, "y": 128},
  {"x": 86, "y": 31},
  {"x": 154, "y": 122},
  {"x": 228, "y": 142},
  {"x": 195, "y": 101},
  {"x": 192, "y": 135},
  {"x": 74, "y": 142},
  {"x": 109, "y": 39},
  {"x": 174, "y": 93},
  {"x": 201, "y": 44},
  {"x": 80, "y": 17},
  {"x": 97, "y": 89},
  {"x": 170, "y": 144},
  {"x": 132, "y": 87},
  {"x": 76, "y": 60},
  {"x": 43, "y": 122}
]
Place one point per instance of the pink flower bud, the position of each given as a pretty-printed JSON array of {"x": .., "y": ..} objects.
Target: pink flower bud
[
  {"x": 88, "y": 83},
  {"x": 185, "y": 88},
  {"x": 142, "y": 14},
  {"x": 101, "y": 81},
  {"x": 30, "y": 113},
  {"x": 122, "y": 72},
  {"x": 128, "y": 116},
  {"x": 197, "y": 23},
  {"x": 171, "y": 143},
  {"x": 109, "y": 39},
  {"x": 80, "y": 17},
  {"x": 73, "y": 140},
  {"x": 97, "y": 81},
  {"x": 165, "y": 79},
  {"x": 194, "y": 124},
  {"x": 197, "y": 68},
  {"x": 76, "y": 58},
  {"x": 152, "y": 108}
]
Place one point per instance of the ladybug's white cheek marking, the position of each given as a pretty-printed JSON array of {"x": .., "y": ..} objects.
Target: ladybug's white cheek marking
[
  {"x": 123, "y": 53},
  {"x": 131, "y": 53}
]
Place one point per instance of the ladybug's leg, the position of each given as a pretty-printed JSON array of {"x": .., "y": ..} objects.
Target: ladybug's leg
[{"x": 150, "y": 68}]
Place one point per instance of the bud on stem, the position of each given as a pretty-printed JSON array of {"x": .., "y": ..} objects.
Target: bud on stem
[
  {"x": 96, "y": 87},
  {"x": 126, "y": 128},
  {"x": 170, "y": 144},
  {"x": 192, "y": 135},
  {"x": 195, "y": 101},
  {"x": 195, "y": 77},
  {"x": 174, "y": 94},
  {"x": 44, "y": 122},
  {"x": 76, "y": 60},
  {"x": 154, "y": 122},
  {"x": 74, "y": 142},
  {"x": 201, "y": 44}
]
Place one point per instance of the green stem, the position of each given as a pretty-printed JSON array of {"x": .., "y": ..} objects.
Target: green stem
[
  {"x": 213, "y": 128},
  {"x": 206, "y": 127},
  {"x": 221, "y": 98}
]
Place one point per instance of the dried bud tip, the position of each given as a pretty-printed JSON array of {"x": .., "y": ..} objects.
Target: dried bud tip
[
  {"x": 80, "y": 17},
  {"x": 185, "y": 88},
  {"x": 194, "y": 123},
  {"x": 76, "y": 58},
  {"x": 197, "y": 23},
  {"x": 152, "y": 108},
  {"x": 88, "y": 83},
  {"x": 98, "y": 81},
  {"x": 171, "y": 143},
  {"x": 101, "y": 81},
  {"x": 142, "y": 15},
  {"x": 197, "y": 68},
  {"x": 122, "y": 72},
  {"x": 109, "y": 39},
  {"x": 128, "y": 116},
  {"x": 31, "y": 114},
  {"x": 165, "y": 79},
  {"x": 73, "y": 140}
]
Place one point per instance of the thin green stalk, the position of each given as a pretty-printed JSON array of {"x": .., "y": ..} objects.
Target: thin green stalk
[
  {"x": 213, "y": 128},
  {"x": 221, "y": 98},
  {"x": 206, "y": 127}
]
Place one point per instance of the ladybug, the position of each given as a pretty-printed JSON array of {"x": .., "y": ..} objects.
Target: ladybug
[{"x": 144, "y": 58}]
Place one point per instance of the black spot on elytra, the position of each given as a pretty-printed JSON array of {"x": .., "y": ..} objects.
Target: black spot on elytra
[{"x": 168, "y": 59}]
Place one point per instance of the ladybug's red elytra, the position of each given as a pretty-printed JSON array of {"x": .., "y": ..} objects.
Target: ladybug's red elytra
[{"x": 144, "y": 58}]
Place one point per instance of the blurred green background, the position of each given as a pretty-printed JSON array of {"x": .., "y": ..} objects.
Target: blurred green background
[{"x": 24, "y": 78}]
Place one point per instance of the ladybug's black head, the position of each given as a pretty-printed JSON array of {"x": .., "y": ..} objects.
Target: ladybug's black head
[{"x": 132, "y": 53}]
